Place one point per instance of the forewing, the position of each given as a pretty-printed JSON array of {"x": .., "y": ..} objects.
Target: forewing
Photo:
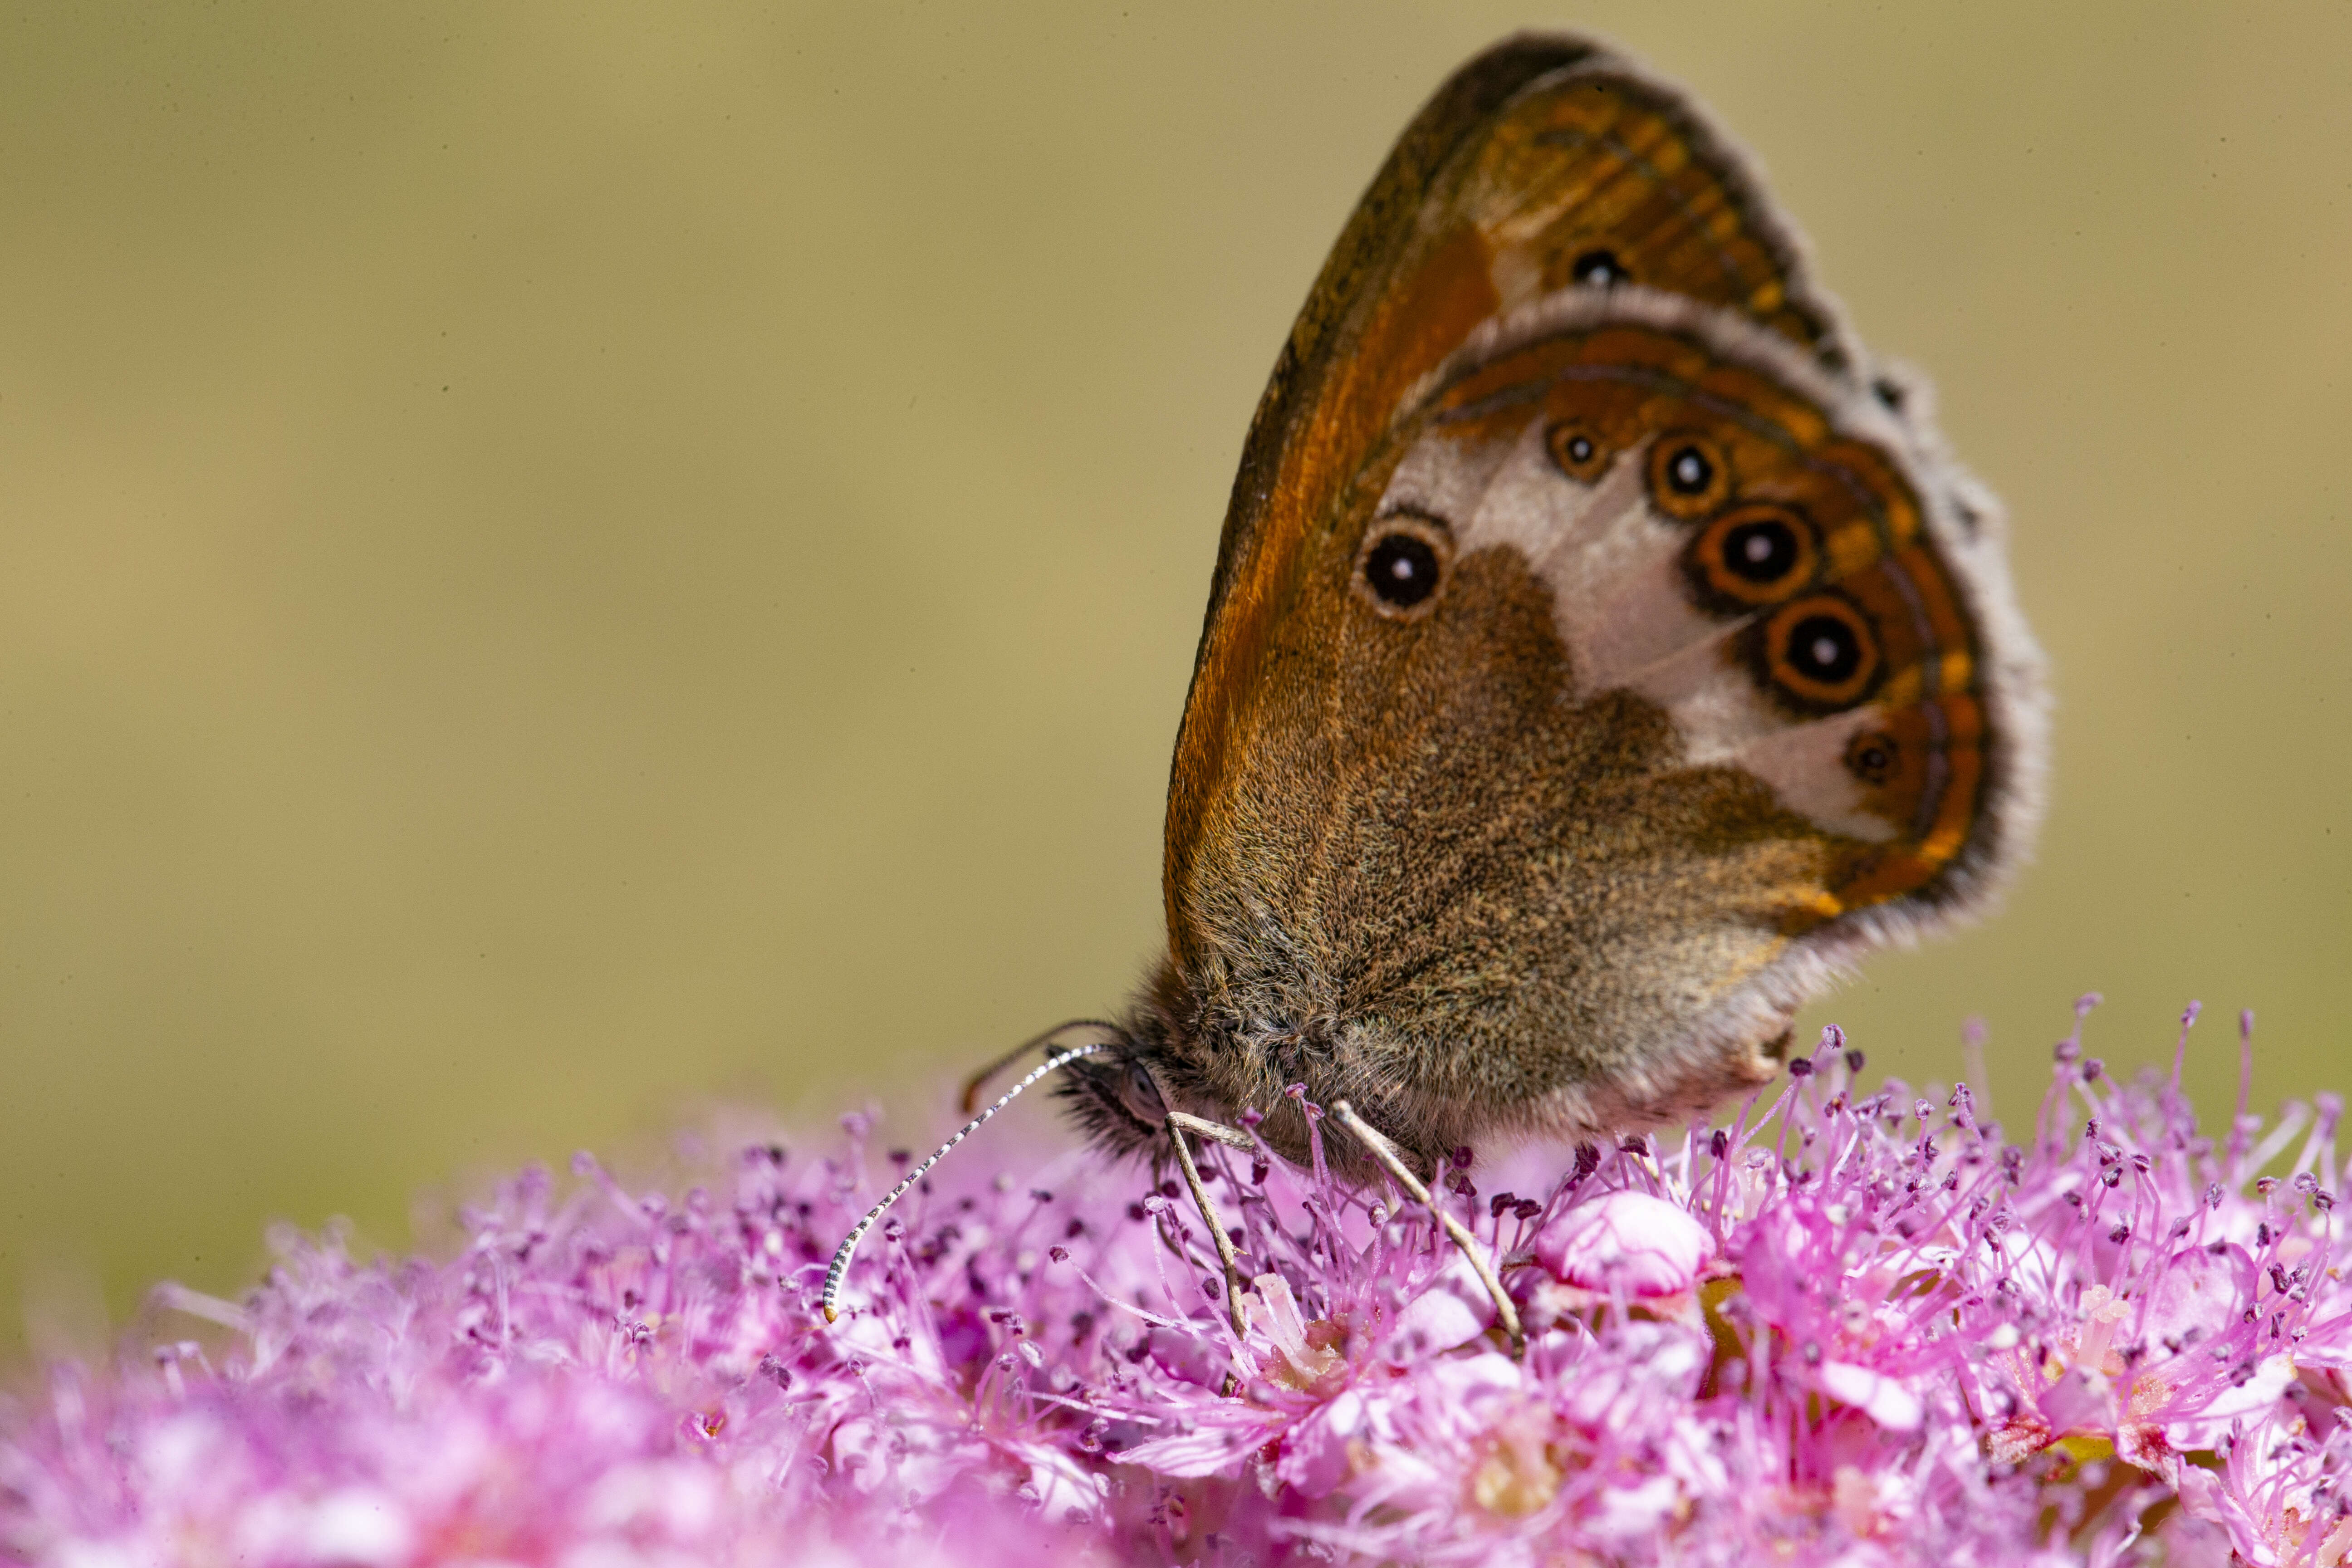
[{"x": 1545, "y": 162}]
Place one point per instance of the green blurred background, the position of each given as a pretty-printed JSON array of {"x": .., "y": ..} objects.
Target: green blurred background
[{"x": 559, "y": 562}]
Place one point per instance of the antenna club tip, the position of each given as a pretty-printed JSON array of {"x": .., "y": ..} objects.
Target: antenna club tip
[{"x": 832, "y": 1314}]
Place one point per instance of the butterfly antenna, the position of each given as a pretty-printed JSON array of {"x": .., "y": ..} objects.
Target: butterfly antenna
[
  {"x": 840, "y": 1265},
  {"x": 979, "y": 1081}
]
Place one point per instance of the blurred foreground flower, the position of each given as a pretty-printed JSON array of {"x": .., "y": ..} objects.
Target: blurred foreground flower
[{"x": 1853, "y": 1329}]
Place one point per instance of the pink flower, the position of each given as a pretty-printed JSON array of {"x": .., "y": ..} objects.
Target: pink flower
[
  {"x": 1626, "y": 1241},
  {"x": 1854, "y": 1326}
]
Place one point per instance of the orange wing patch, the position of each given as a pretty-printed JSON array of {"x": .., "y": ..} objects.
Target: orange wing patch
[{"x": 1600, "y": 177}]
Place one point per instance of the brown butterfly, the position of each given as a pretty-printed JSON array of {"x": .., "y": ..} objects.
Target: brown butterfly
[{"x": 1602, "y": 653}]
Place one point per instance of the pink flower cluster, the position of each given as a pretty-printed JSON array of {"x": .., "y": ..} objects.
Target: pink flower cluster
[{"x": 1852, "y": 1326}]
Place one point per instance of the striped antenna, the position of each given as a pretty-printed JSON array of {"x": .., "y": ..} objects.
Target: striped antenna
[{"x": 840, "y": 1265}]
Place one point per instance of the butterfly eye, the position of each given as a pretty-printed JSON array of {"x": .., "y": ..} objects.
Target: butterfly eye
[
  {"x": 1872, "y": 756},
  {"x": 1578, "y": 453},
  {"x": 1688, "y": 478},
  {"x": 1752, "y": 555},
  {"x": 1404, "y": 566},
  {"x": 1822, "y": 653}
]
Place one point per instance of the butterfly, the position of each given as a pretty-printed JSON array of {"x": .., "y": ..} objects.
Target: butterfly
[{"x": 1604, "y": 652}]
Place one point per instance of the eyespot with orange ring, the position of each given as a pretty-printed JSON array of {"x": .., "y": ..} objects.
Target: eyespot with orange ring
[
  {"x": 1577, "y": 450},
  {"x": 1821, "y": 652},
  {"x": 1873, "y": 756},
  {"x": 1403, "y": 564},
  {"x": 1752, "y": 555},
  {"x": 1689, "y": 476}
]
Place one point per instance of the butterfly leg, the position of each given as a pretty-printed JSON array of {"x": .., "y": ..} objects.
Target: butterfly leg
[
  {"x": 1393, "y": 1163},
  {"x": 1179, "y": 1123}
]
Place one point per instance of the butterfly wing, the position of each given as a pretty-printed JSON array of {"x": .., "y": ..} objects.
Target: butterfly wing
[
  {"x": 1544, "y": 161},
  {"x": 1596, "y": 657}
]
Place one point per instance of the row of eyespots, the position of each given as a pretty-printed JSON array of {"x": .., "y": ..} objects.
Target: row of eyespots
[{"x": 1820, "y": 652}]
